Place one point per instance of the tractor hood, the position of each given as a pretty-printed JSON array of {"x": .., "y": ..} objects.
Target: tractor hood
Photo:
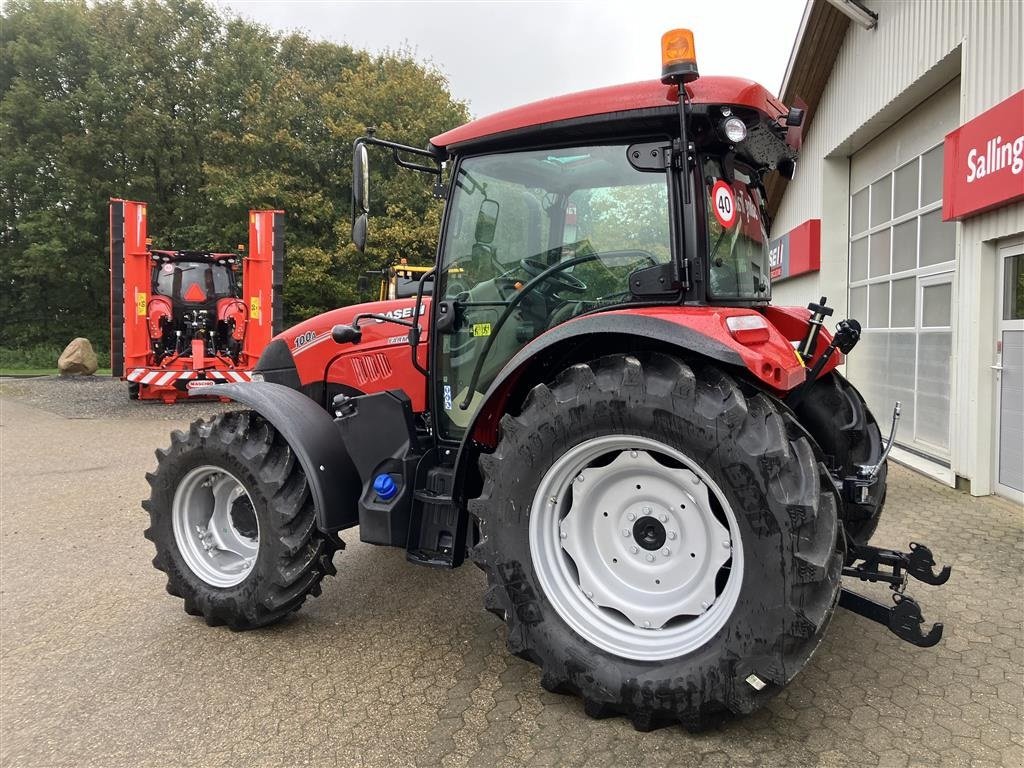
[{"x": 305, "y": 357}]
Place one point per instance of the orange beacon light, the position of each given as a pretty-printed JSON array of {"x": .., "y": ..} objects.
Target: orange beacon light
[{"x": 678, "y": 57}]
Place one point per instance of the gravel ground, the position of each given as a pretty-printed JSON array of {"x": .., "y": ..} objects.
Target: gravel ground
[
  {"x": 396, "y": 665},
  {"x": 99, "y": 397}
]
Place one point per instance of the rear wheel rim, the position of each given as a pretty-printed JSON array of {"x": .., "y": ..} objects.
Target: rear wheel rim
[
  {"x": 215, "y": 526},
  {"x": 636, "y": 547}
]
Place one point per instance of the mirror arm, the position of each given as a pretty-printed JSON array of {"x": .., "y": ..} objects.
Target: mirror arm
[
  {"x": 350, "y": 334},
  {"x": 432, "y": 169},
  {"x": 414, "y": 331},
  {"x": 397, "y": 148}
]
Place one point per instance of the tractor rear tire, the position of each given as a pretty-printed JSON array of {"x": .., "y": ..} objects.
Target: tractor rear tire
[
  {"x": 751, "y": 488},
  {"x": 836, "y": 416},
  {"x": 263, "y": 555}
]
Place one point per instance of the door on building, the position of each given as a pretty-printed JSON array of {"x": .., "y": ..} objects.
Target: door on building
[{"x": 1009, "y": 366}]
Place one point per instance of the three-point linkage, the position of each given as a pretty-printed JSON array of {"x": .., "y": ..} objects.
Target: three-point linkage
[{"x": 893, "y": 567}]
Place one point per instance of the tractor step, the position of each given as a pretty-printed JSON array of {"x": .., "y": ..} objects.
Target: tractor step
[
  {"x": 435, "y": 522},
  {"x": 894, "y": 568}
]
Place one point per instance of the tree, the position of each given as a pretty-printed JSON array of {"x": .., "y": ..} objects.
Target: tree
[{"x": 203, "y": 117}]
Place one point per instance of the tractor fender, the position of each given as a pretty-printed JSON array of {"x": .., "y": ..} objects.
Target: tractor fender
[
  {"x": 575, "y": 341},
  {"x": 313, "y": 436}
]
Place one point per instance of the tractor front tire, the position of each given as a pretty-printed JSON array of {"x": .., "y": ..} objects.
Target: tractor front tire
[
  {"x": 658, "y": 542},
  {"x": 233, "y": 522}
]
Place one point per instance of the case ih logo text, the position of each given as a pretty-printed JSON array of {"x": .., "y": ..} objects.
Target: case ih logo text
[{"x": 400, "y": 314}]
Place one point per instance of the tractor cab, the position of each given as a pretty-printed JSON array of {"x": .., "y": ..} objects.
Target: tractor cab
[
  {"x": 195, "y": 297},
  {"x": 194, "y": 277},
  {"x": 620, "y": 199}
]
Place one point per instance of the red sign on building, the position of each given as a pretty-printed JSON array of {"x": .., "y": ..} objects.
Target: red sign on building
[
  {"x": 984, "y": 161},
  {"x": 796, "y": 252}
]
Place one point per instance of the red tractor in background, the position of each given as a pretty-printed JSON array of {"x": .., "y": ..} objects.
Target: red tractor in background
[
  {"x": 664, "y": 477},
  {"x": 180, "y": 320}
]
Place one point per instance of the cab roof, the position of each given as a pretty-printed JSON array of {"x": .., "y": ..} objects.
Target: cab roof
[{"x": 648, "y": 94}]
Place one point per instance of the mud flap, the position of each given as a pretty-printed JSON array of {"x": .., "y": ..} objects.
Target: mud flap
[{"x": 313, "y": 436}]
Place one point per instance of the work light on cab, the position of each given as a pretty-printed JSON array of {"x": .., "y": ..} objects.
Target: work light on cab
[
  {"x": 734, "y": 129},
  {"x": 678, "y": 57}
]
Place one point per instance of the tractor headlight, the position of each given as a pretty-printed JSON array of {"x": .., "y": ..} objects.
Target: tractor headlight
[{"x": 734, "y": 129}]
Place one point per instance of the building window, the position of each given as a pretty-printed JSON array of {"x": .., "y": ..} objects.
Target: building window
[{"x": 902, "y": 256}]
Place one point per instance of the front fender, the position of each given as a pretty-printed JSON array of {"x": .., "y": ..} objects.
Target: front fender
[{"x": 312, "y": 435}]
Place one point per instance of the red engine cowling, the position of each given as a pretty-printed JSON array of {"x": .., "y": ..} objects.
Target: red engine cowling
[{"x": 379, "y": 362}]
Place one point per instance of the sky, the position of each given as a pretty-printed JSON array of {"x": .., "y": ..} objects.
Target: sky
[{"x": 500, "y": 53}]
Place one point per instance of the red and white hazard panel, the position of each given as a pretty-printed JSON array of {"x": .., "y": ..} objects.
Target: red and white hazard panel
[{"x": 162, "y": 378}]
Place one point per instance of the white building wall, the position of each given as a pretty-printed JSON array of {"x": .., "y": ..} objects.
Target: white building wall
[{"x": 880, "y": 75}]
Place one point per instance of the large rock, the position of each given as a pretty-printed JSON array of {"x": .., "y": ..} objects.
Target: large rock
[{"x": 78, "y": 358}]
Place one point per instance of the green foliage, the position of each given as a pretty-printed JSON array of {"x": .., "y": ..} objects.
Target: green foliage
[
  {"x": 39, "y": 357},
  {"x": 33, "y": 357},
  {"x": 203, "y": 117}
]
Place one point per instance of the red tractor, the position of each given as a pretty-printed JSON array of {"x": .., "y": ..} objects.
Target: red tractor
[
  {"x": 180, "y": 320},
  {"x": 664, "y": 477}
]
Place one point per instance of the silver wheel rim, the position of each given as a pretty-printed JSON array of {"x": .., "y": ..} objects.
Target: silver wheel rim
[
  {"x": 215, "y": 526},
  {"x": 598, "y": 512}
]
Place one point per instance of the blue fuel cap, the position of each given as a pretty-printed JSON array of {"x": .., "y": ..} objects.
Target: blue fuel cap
[{"x": 385, "y": 487}]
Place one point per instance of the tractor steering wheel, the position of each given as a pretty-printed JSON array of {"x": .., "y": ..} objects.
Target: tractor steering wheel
[{"x": 562, "y": 280}]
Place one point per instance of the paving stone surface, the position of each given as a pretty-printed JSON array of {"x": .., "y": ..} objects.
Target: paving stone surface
[{"x": 400, "y": 666}]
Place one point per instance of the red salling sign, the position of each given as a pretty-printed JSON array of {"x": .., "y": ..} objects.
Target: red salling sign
[
  {"x": 984, "y": 161},
  {"x": 796, "y": 252}
]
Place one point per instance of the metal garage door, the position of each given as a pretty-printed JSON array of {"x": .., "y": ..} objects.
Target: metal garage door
[{"x": 902, "y": 259}]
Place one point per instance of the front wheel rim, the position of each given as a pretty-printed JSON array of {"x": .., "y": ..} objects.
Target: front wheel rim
[
  {"x": 636, "y": 547},
  {"x": 215, "y": 526}
]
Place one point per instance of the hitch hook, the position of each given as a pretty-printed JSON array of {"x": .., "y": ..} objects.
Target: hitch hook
[
  {"x": 904, "y": 619},
  {"x": 905, "y": 622},
  {"x": 921, "y": 564}
]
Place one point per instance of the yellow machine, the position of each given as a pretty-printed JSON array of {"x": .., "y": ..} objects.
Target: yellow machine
[{"x": 400, "y": 281}]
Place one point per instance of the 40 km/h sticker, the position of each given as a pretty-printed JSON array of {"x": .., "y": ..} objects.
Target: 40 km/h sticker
[{"x": 724, "y": 204}]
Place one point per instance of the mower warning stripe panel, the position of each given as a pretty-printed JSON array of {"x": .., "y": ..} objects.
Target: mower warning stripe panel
[{"x": 163, "y": 378}]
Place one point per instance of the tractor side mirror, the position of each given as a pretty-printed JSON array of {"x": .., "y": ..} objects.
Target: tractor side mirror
[
  {"x": 487, "y": 221},
  {"x": 360, "y": 195},
  {"x": 362, "y": 284}
]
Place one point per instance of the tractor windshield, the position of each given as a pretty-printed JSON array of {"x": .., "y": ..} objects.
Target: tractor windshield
[
  {"x": 194, "y": 282},
  {"x": 737, "y": 241},
  {"x": 534, "y": 239}
]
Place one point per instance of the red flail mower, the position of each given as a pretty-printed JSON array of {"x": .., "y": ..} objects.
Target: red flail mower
[{"x": 182, "y": 321}]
